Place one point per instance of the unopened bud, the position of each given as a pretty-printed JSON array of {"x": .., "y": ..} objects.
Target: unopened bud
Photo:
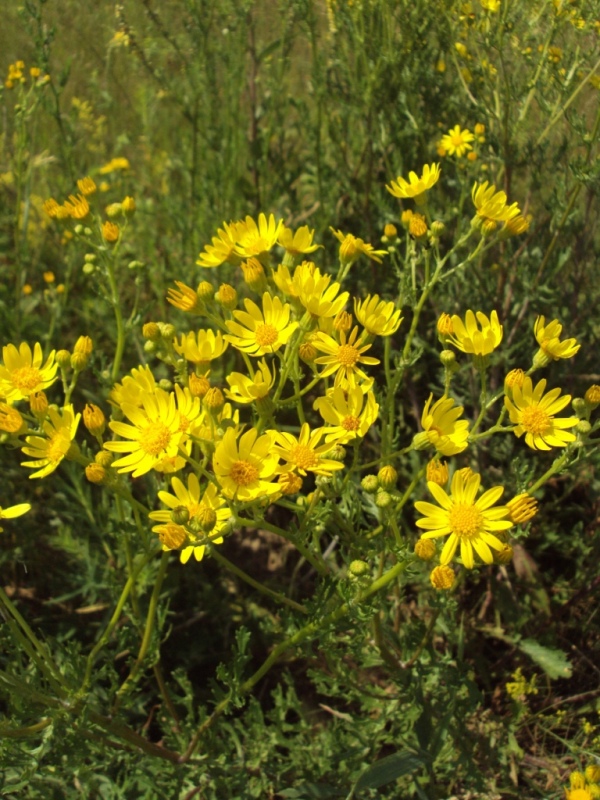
[
  {"x": 128, "y": 206},
  {"x": 592, "y": 396},
  {"x": 382, "y": 499},
  {"x": 167, "y": 331},
  {"x": 207, "y": 517},
  {"x": 504, "y": 556},
  {"x": 205, "y": 291},
  {"x": 114, "y": 210},
  {"x": 214, "y": 399},
  {"x": 198, "y": 385},
  {"x": 63, "y": 359},
  {"x": 290, "y": 483},
  {"x": 151, "y": 331},
  {"x": 95, "y": 473},
  {"x": 84, "y": 345},
  {"x": 425, "y": 549},
  {"x": 104, "y": 458},
  {"x": 448, "y": 358},
  {"x": 38, "y": 403},
  {"x": 387, "y": 477},
  {"x": 370, "y": 484},
  {"x": 172, "y": 536},
  {"x": 180, "y": 515},
  {"x": 79, "y": 361},
  {"x": 442, "y": 577},
  {"x": 579, "y": 406},
  {"x": 358, "y": 569},
  {"x": 437, "y": 472},
  {"x": 227, "y": 296},
  {"x": 94, "y": 419}
]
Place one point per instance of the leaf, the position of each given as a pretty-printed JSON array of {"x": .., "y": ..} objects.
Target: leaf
[
  {"x": 554, "y": 662},
  {"x": 311, "y": 791},
  {"x": 388, "y": 769}
]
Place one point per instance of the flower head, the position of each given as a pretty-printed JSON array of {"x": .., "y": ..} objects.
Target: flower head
[
  {"x": 134, "y": 388},
  {"x": 378, "y": 317},
  {"x": 201, "y": 347},
  {"x": 222, "y": 250},
  {"x": 245, "y": 468},
  {"x": 48, "y": 451},
  {"x": 22, "y": 373},
  {"x": 532, "y": 412},
  {"x": 243, "y": 389},
  {"x": 442, "y": 428},
  {"x": 14, "y": 511},
  {"x": 548, "y": 338},
  {"x": 259, "y": 332},
  {"x": 350, "y": 413},
  {"x": 467, "y": 521},
  {"x": 415, "y": 186},
  {"x": 467, "y": 337},
  {"x": 352, "y": 247},
  {"x": 305, "y": 453},
  {"x": 456, "y": 142},
  {"x": 343, "y": 357},
  {"x": 492, "y": 205},
  {"x": 299, "y": 242},
  {"x": 256, "y": 239},
  {"x": 316, "y": 293}
]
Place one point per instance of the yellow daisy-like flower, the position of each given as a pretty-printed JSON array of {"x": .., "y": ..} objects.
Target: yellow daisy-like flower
[
  {"x": 14, "y": 511},
  {"x": 441, "y": 427},
  {"x": 467, "y": 337},
  {"x": 22, "y": 373},
  {"x": 378, "y": 317},
  {"x": 548, "y": 338},
  {"x": 315, "y": 291},
  {"x": 154, "y": 434},
  {"x": 222, "y": 250},
  {"x": 10, "y": 419},
  {"x": 351, "y": 248},
  {"x": 261, "y": 332},
  {"x": 533, "y": 414},
  {"x": 579, "y": 794},
  {"x": 191, "y": 416},
  {"x": 59, "y": 428},
  {"x": 77, "y": 206},
  {"x": 134, "y": 388},
  {"x": 185, "y": 298},
  {"x": 243, "y": 389},
  {"x": 456, "y": 142},
  {"x": 299, "y": 242},
  {"x": 492, "y": 205},
  {"x": 245, "y": 469},
  {"x": 305, "y": 453},
  {"x": 201, "y": 347},
  {"x": 197, "y": 504},
  {"x": 415, "y": 186},
  {"x": 350, "y": 413},
  {"x": 114, "y": 165},
  {"x": 465, "y": 520},
  {"x": 257, "y": 239},
  {"x": 343, "y": 357}
]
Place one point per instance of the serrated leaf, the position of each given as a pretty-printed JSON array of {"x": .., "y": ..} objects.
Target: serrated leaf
[
  {"x": 388, "y": 769},
  {"x": 554, "y": 662}
]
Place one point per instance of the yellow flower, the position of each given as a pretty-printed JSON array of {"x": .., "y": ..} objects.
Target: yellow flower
[
  {"x": 114, "y": 165},
  {"x": 350, "y": 413},
  {"x": 468, "y": 338},
  {"x": 245, "y": 469},
  {"x": 257, "y": 239},
  {"x": 86, "y": 186},
  {"x": 533, "y": 414},
  {"x": 437, "y": 471},
  {"x": 78, "y": 207},
  {"x": 110, "y": 232},
  {"x": 344, "y": 356},
  {"x": 134, "y": 388},
  {"x": 196, "y": 503},
  {"x": 201, "y": 347},
  {"x": 298, "y": 243},
  {"x": 316, "y": 292},
  {"x": 466, "y": 521},
  {"x": 352, "y": 246},
  {"x": 457, "y": 142},
  {"x": 22, "y": 373},
  {"x": 10, "y": 419},
  {"x": 14, "y": 511},
  {"x": 441, "y": 427},
  {"x": 263, "y": 331},
  {"x": 415, "y": 186},
  {"x": 522, "y": 508},
  {"x": 579, "y": 794},
  {"x": 492, "y": 205},
  {"x": 305, "y": 453},
  {"x": 548, "y": 338},
  {"x": 243, "y": 389},
  {"x": 185, "y": 298},
  {"x": 378, "y": 317},
  {"x": 60, "y": 429},
  {"x": 222, "y": 249},
  {"x": 442, "y": 577},
  {"x": 154, "y": 434}
]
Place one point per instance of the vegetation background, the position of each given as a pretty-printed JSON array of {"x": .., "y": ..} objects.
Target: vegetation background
[{"x": 305, "y": 109}]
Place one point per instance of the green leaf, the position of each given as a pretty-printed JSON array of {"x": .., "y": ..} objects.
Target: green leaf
[
  {"x": 388, "y": 769},
  {"x": 311, "y": 791},
  {"x": 554, "y": 662}
]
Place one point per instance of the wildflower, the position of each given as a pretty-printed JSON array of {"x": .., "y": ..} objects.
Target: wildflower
[
  {"x": 27, "y": 289},
  {"x": 198, "y": 384},
  {"x": 289, "y": 483},
  {"x": 243, "y": 389},
  {"x": 519, "y": 687},
  {"x": 441, "y": 427},
  {"x": 222, "y": 249},
  {"x": 378, "y": 317},
  {"x": 592, "y": 396},
  {"x": 38, "y": 403},
  {"x": 533, "y": 414},
  {"x": 522, "y": 508},
  {"x": 59, "y": 429},
  {"x": 128, "y": 206},
  {"x": 115, "y": 165},
  {"x": 350, "y": 413},
  {"x": 415, "y": 186},
  {"x": 592, "y": 773},
  {"x": 154, "y": 434},
  {"x": 94, "y": 419},
  {"x": 514, "y": 378},
  {"x": 139, "y": 384},
  {"x": 263, "y": 331},
  {"x": 227, "y": 296},
  {"x": 10, "y": 419},
  {"x": 387, "y": 477},
  {"x": 468, "y": 338},
  {"x": 214, "y": 399},
  {"x": 197, "y": 504},
  {"x": 492, "y": 205},
  {"x": 548, "y": 338},
  {"x": 96, "y": 473},
  {"x": 110, "y": 232},
  {"x": 437, "y": 471},
  {"x": 78, "y": 207},
  {"x": 516, "y": 226},
  {"x": 444, "y": 326},
  {"x": 257, "y": 239},
  {"x": 316, "y": 293},
  {"x": 490, "y": 5},
  {"x": 457, "y": 142},
  {"x": 298, "y": 243},
  {"x": 245, "y": 468},
  {"x": 352, "y": 247},
  {"x": 14, "y": 511},
  {"x": 466, "y": 521},
  {"x": 49, "y": 277},
  {"x": 201, "y": 347},
  {"x": 343, "y": 357},
  {"x": 442, "y": 577},
  {"x": 185, "y": 298},
  {"x": 254, "y": 275},
  {"x": 305, "y": 453},
  {"x": 22, "y": 373},
  {"x": 390, "y": 231},
  {"x": 86, "y": 186},
  {"x": 425, "y": 549}
]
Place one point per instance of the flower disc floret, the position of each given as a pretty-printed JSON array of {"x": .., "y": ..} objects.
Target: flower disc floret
[
  {"x": 415, "y": 186},
  {"x": 378, "y": 317},
  {"x": 259, "y": 332},
  {"x": 48, "y": 451},
  {"x": 532, "y": 412},
  {"x": 467, "y": 337},
  {"x": 22, "y": 373},
  {"x": 469, "y": 522}
]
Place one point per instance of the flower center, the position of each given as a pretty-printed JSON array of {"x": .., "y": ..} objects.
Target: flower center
[
  {"x": 155, "y": 438},
  {"x": 184, "y": 423},
  {"x": 303, "y": 456},
  {"x": 465, "y": 520},
  {"x": 243, "y": 473},
  {"x": 265, "y": 334},
  {"x": 26, "y": 378},
  {"x": 457, "y": 139},
  {"x": 351, "y": 423},
  {"x": 535, "y": 420},
  {"x": 347, "y": 355}
]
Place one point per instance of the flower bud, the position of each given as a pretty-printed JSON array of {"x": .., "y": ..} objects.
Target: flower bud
[
  {"x": 342, "y": 321},
  {"x": 207, "y": 517},
  {"x": 180, "y": 515},
  {"x": 114, "y": 210},
  {"x": 38, "y": 403},
  {"x": 442, "y": 577},
  {"x": 165, "y": 384},
  {"x": 387, "y": 477},
  {"x": 359, "y": 569},
  {"x": 425, "y": 549},
  {"x": 88, "y": 268},
  {"x": 63, "y": 358},
  {"x": 128, "y": 206},
  {"x": 383, "y": 499},
  {"x": 151, "y": 331},
  {"x": 198, "y": 385},
  {"x": 579, "y": 406},
  {"x": 437, "y": 228},
  {"x": 94, "y": 419},
  {"x": 390, "y": 232},
  {"x": 227, "y": 296},
  {"x": 110, "y": 232},
  {"x": 84, "y": 345},
  {"x": 214, "y": 399},
  {"x": 514, "y": 378},
  {"x": 167, "y": 331},
  {"x": 370, "y": 484},
  {"x": 337, "y": 453},
  {"x": 504, "y": 556},
  {"x": 79, "y": 361},
  {"x": 150, "y": 347},
  {"x": 95, "y": 473},
  {"x": 171, "y": 536},
  {"x": 307, "y": 352},
  {"x": 254, "y": 275},
  {"x": 448, "y": 359},
  {"x": 592, "y": 396},
  {"x": 437, "y": 472},
  {"x": 205, "y": 291},
  {"x": 417, "y": 227},
  {"x": 104, "y": 458},
  {"x": 290, "y": 483},
  {"x": 10, "y": 419},
  {"x": 583, "y": 428},
  {"x": 522, "y": 508}
]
